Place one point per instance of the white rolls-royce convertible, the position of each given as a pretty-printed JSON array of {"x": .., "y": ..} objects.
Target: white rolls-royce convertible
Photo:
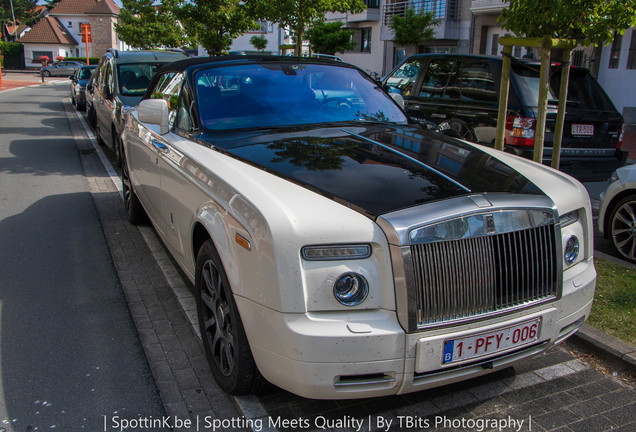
[{"x": 336, "y": 249}]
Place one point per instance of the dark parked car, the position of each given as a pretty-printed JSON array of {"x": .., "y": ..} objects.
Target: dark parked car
[
  {"x": 78, "y": 86},
  {"x": 62, "y": 68},
  {"x": 118, "y": 84},
  {"x": 458, "y": 95}
]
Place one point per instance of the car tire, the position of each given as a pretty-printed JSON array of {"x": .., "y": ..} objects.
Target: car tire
[
  {"x": 46, "y": 73},
  {"x": 135, "y": 213},
  {"x": 92, "y": 117},
  {"x": 117, "y": 148},
  {"x": 622, "y": 228},
  {"x": 224, "y": 339}
]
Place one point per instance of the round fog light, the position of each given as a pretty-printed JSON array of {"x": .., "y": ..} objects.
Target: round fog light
[
  {"x": 571, "y": 250},
  {"x": 351, "y": 289}
]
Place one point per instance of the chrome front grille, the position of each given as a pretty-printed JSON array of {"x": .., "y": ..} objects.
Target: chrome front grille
[{"x": 487, "y": 273}]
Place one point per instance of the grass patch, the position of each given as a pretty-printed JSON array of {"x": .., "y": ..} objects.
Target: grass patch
[{"x": 614, "y": 309}]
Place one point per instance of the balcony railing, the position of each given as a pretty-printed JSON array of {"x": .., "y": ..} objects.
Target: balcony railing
[
  {"x": 478, "y": 6},
  {"x": 444, "y": 9}
]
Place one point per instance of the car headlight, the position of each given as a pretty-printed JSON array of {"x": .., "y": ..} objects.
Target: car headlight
[
  {"x": 351, "y": 289},
  {"x": 613, "y": 177},
  {"x": 569, "y": 218},
  {"x": 571, "y": 252}
]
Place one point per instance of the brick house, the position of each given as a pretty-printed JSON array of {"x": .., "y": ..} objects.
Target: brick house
[{"x": 59, "y": 32}]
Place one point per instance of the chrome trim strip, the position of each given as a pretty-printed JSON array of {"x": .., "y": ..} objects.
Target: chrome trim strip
[{"x": 404, "y": 221}]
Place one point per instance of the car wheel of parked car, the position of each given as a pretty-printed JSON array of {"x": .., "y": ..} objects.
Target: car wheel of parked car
[
  {"x": 622, "y": 228},
  {"x": 47, "y": 73},
  {"x": 135, "y": 213},
  {"x": 222, "y": 331},
  {"x": 92, "y": 117},
  {"x": 117, "y": 147}
]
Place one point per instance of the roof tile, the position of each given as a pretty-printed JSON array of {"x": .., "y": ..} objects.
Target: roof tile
[{"x": 48, "y": 30}]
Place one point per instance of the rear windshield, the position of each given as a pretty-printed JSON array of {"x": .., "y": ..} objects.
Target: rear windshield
[
  {"x": 85, "y": 73},
  {"x": 584, "y": 92},
  {"x": 134, "y": 78}
]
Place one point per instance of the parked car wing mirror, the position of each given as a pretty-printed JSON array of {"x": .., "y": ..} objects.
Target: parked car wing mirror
[
  {"x": 398, "y": 99},
  {"x": 155, "y": 111}
]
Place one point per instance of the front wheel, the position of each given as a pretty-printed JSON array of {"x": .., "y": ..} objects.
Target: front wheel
[
  {"x": 622, "y": 228},
  {"x": 47, "y": 73},
  {"x": 135, "y": 213},
  {"x": 226, "y": 346}
]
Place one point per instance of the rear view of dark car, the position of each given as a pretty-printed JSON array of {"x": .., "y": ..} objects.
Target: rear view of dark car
[{"x": 457, "y": 95}]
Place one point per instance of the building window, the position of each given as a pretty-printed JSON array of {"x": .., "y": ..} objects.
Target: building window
[
  {"x": 264, "y": 27},
  {"x": 38, "y": 54},
  {"x": 495, "y": 44},
  {"x": 70, "y": 24},
  {"x": 437, "y": 7},
  {"x": 365, "y": 45},
  {"x": 615, "y": 52},
  {"x": 631, "y": 59},
  {"x": 372, "y": 4}
]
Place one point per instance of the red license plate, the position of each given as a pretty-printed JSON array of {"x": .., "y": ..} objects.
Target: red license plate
[
  {"x": 486, "y": 344},
  {"x": 582, "y": 129}
]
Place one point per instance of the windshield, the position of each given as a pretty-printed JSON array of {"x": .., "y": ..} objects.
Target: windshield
[
  {"x": 287, "y": 94},
  {"x": 85, "y": 73},
  {"x": 134, "y": 78},
  {"x": 584, "y": 92}
]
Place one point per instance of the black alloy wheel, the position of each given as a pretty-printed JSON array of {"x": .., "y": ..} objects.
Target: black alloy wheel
[
  {"x": 224, "y": 338},
  {"x": 622, "y": 227}
]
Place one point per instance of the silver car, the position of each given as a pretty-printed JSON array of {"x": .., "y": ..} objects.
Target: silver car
[
  {"x": 617, "y": 217},
  {"x": 62, "y": 68}
]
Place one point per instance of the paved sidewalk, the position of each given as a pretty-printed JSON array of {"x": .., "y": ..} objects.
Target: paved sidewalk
[{"x": 16, "y": 80}]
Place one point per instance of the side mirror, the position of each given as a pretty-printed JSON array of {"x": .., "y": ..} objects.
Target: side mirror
[
  {"x": 155, "y": 111},
  {"x": 398, "y": 99}
]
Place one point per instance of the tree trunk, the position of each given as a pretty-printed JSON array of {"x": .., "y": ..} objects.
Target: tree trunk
[{"x": 300, "y": 33}]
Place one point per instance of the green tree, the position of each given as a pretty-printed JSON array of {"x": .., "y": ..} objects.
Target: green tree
[
  {"x": 330, "y": 38},
  {"x": 50, "y": 4},
  {"x": 259, "y": 42},
  {"x": 144, "y": 25},
  {"x": 216, "y": 23},
  {"x": 299, "y": 14},
  {"x": 585, "y": 21},
  {"x": 23, "y": 11},
  {"x": 413, "y": 29}
]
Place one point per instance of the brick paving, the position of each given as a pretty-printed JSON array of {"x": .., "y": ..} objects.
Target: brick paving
[{"x": 555, "y": 391}]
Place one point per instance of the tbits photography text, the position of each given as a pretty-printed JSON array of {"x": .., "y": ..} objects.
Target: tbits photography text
[{"x": 320, "y": 423}]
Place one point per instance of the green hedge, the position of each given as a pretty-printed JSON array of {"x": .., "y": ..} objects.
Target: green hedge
[
  {"x": 92, "y": 60},
  {"x": 13, "y": 54}
]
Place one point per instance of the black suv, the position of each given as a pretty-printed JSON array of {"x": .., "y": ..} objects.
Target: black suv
[
  {"x": 458, "y": 95},
  {"x": 118, "y": 84}
]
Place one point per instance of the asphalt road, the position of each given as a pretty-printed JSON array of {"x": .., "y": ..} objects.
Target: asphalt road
[{"x": 69, "y": 351}]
